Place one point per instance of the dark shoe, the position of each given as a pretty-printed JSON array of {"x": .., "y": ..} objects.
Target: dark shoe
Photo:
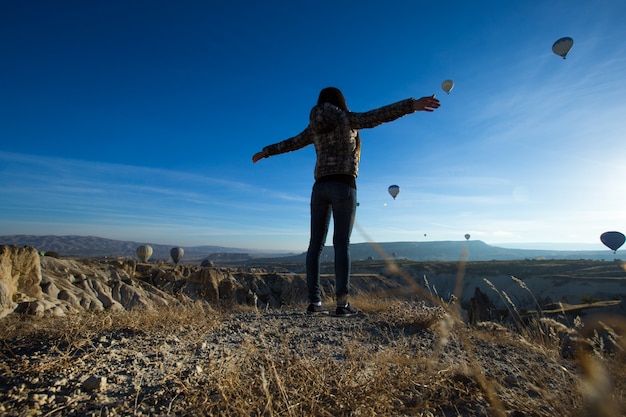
[
  {"x": 314, "y": 309},
  {"x": 345, "y": 311}
]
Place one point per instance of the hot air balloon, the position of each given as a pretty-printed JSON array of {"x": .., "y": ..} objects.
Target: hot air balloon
[
  {"x": 467, "y": 236},
  {"x": 613, "y": 240},
  {"x": 144, "y": 252},
  {"x": 447, "y": 86},
  {"x": 562, "y": 46},
  {"x": 394, "y": 190},
  {"x": 176, "y": 254}
]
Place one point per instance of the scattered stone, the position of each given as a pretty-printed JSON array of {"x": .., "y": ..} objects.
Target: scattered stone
[{"x": 94, "y": 383}]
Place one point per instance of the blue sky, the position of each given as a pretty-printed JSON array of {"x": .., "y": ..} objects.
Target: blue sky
[{"x": 137, "y": 120}]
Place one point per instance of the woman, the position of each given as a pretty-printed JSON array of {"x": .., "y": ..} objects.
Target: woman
[{"x": 334, "y": 130}]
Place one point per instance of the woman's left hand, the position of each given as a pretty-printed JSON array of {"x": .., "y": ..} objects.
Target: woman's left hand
[{"x": 428, "y": 103}]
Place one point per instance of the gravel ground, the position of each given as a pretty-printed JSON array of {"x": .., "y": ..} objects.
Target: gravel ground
[{"x": 137, "y": 373}]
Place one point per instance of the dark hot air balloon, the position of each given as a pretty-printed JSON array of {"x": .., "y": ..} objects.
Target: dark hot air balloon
[
  {"x": 176, "y": 254},
  {"x": 562, "y": 46},
  {"x": 394, "y": 190},
  {"x": 613, "y": 240},
  {"x": 467, "y": 236}
]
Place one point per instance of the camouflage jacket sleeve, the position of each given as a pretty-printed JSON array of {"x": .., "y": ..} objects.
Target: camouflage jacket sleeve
[
  {"x": 299, "y": 141},
  {"x": 381, "y": 115},
  {"x": 327, "y": 117}
]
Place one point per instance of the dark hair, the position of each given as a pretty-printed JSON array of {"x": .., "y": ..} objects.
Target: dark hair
[{"x": 333, "y": 96}]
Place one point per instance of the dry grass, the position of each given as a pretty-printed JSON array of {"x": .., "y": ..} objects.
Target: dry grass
[
  {"x": 399, "y": 379},
  {"x": 72, "y": 336},
  {"x": 487, "y": 371}
]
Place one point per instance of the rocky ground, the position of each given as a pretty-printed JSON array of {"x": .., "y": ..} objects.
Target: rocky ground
[
  {"x": 181, "y": 368},
  {"x": 130, "y": 373}
]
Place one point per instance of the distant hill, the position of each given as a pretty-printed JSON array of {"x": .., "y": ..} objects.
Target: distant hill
[
  {"x": 475, "y": 250},
  {"x": 93, "y": 246}
]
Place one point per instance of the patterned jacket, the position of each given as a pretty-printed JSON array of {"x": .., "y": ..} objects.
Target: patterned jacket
[{"x": 334, "y": 133}]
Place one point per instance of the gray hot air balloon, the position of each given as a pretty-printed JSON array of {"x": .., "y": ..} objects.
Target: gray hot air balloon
[
  {"x": 447, "y": 86},
  {"x": 467, "y": 236},
  {"x": 393, "y": 190},
  {"x": 144, "y": 252},
  {"x": 176, "y": 254},
  {"x": 562, "y": 46}
]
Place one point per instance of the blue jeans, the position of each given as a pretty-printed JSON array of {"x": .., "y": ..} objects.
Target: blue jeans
[{"x": 340, "y": 200}]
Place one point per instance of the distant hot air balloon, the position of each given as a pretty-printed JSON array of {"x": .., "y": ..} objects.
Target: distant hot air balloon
[
  {"x": 467, "y": 236},
  {"x": 613, "y": 240},
  {"x": 144, "y": 252},
  {"x": 562, "y": 46},
  {"x": 394, "y": 190},
  {"x": 176, "y": 254},
  {"x": 447, "y": 86}
]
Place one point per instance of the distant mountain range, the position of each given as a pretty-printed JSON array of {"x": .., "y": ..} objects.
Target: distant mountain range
[
  {"x": 93, "y": 246},
  {"x": 472, "y": 250}
]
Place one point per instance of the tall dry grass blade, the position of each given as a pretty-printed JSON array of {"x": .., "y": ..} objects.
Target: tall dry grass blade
[
  {"x": 427, "y": 284},
  {"x": 513, "y": 309},
  {"x": 460, "y": 275},
  {"x": 508, "y": 300},
  {"x": 266, "y": 390},
  {"x": 414, "y": 288},
  {"x": 597, "y": 387},
  {"x": 523, "y": 285},
  {"x": 506, "y": 303}
]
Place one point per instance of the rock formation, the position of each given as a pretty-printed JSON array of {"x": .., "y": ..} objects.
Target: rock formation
[
  {"x": 20, "y": 276},
  {"x": 44, "y": 285},
  {"x": 481, "y": 308},
  {"x": 51, "y": 286}
]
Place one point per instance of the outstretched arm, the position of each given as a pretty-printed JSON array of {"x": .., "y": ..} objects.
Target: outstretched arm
[
  {"x": 301, "y": 140},
  {"x": 390, "y": 112}
]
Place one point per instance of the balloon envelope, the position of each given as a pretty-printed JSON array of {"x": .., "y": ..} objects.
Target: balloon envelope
[
  {"x": 144, "y": 252},
  {"x": 467, "y": 236},
  {"x": 613, "y": 240},
  {"x": 447, "y": 86},
  {"x": 176, "y": 254},
  {"x": 394, "y": 190},
  {"x": 562, "y": 46}
]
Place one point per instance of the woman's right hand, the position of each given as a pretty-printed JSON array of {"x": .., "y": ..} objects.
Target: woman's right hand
[
  {"x": 428, "y": 103},
  {"x": 258, "y": 156}
]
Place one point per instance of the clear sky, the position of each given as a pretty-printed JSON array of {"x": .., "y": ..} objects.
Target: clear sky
[{"x": 137, "y": 120}]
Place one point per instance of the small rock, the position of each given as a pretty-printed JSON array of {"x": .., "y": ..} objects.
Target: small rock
[
  {"x": 94, "y": 383},
  {"x": 511, "y": 380}
]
